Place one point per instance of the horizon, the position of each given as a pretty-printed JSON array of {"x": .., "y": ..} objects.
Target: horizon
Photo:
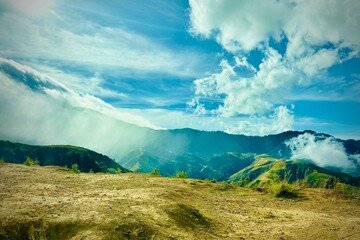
[{"x": 252, "y": 68}]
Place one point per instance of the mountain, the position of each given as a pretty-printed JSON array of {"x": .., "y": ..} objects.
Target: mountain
[
  {"x": 265, "y": 169},
  {"x": 49, "y": 112},
  {"x": 218, "y": 155},
  {"x": 58, "y": 156}
]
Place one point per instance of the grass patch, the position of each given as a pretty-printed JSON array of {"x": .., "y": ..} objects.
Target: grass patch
[
  {"x": 181, "y": 174},
  {"x": 284, "y": 189},
  {"x": 225, "y": 187},
  {"x": 155, "y": 172},
  {"x": 189, "y": 217},
  {"x": 347, "y": 190},
  {"x": 30, "y": 162},
  {"x": 75, "y": 168},
  {"x": 41, "y": 230},
  {"x": 133, "y": 230}
]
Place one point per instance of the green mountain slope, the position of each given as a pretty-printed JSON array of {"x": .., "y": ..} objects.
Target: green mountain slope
[
  {"x": 203, "y": 166},
  {"x": 58, "y": 155},
  {"x": 177, "y": 150},
  {"x": 266, "y": 169}
]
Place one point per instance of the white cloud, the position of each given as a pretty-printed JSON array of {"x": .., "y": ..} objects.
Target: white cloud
[
  {"x": 253, "y": 95},
  {"x": 282, "y": 120},
  {"x": 244, "y": 25},
  {"x": 59, "y": 92},
  {"x": 34, "y": 109},
  {"x": 317, "y": 34},
  {"x": 325, "y": 152},
  {"x": 234, "y": 24}
]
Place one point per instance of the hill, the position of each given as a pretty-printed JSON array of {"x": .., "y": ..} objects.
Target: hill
[
  {"x": 266, "y": 169},
  {"x": 59, "y": 204},
  {"x": 58, "y": 155}
]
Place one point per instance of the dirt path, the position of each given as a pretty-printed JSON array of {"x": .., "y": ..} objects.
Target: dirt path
[{"x": 140, "y": 206}]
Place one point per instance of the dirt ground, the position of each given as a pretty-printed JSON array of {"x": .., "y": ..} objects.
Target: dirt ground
[{"x": 64, "y": 205}]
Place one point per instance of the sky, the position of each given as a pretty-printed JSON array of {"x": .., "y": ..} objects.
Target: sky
[{"x": 245, "y": 67}]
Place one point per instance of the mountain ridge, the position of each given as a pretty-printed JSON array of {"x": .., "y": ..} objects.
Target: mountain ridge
[{"x": 58, "y": 155}]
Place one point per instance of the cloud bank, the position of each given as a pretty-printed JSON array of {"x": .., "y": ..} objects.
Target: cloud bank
[
  {"x": 324, "y": 152},
  {"x": 37, "y": 109}
]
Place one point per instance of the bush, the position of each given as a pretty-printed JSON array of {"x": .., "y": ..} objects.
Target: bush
[
  {"x": 181, "y": 174},
  {"x": 347, "y": 190},
  {"x": 30, "y": 162},
  {"x": 155, "y": 172},
  {"x": 283, "y": 189},
  {"x": 118, "y": 171},
  {"x": 75, "y": 168},
  {"x": 2, "y": 161}
]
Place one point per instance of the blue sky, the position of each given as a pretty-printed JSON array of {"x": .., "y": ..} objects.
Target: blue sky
[{"x": 245, "y": 67}]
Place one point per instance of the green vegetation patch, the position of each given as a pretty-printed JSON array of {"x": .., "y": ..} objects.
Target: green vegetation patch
[{"x": 284, "y": 189}]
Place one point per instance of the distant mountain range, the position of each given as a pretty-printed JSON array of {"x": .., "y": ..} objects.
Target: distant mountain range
[
  {"x": 49, "y": 112},
  {"x": 218, "y": 155},
  {"x": 204, "y": 155}
]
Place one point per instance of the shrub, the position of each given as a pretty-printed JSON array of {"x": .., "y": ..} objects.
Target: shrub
[
  {"x": 118, "y": 171},
  {"x": 283, "y": 189},
  {"x": 111, "y": 170},
  {"x": 2, "y": 161},
  {"x": 155, "y": 172},
  {"x": 75, "y": 168},
  {"x": 347, "y": 190},
  {"x": 181, "y": 174},
  {"x": 30, "y": 162},
  {"x": 91, "y": 171},
  {"x": 243, "y": 182}
]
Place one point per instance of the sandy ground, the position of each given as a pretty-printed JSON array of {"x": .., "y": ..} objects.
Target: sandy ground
[{"x": 140, "y": 206}]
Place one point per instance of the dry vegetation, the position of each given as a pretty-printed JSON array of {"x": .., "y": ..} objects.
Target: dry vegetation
[{"x": 38, "y": 202}]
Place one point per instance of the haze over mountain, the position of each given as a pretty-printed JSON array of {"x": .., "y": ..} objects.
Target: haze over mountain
[
  {"x": 64, "y": 116},
  {"x": 262, "y": 94}
]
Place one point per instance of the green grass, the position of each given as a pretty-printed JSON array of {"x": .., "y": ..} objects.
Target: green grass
[
  {"x": 30, "y": 162},
  {"x": 188, "y": 217},
  {"x": 181, "y": 174},
  {"x": 75, "y": 168},
  {"x": 155, "y": 172},
  {"x": 284, "y": 189}
]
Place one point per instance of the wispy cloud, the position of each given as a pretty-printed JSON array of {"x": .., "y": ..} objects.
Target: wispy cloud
[
  {"x": 60, "y": 36},
  {"x": 44, "y": 85}
]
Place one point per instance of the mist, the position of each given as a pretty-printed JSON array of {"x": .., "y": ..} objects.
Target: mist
[
  {"x": 44, "y": 114},
  {"x": 325, "y": 152}
]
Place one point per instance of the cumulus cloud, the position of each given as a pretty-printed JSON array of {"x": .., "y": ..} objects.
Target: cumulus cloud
[
  {"x": 324, "y": 152},
  {"x": 281, "y": 120},
  {"x": 254, "y": 95},
  {"x": 244, "y": 25},
  {"x": 316, "y": 34}
]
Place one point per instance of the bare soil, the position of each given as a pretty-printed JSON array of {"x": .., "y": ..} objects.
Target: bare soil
[{"x": 88, "y": 206}]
